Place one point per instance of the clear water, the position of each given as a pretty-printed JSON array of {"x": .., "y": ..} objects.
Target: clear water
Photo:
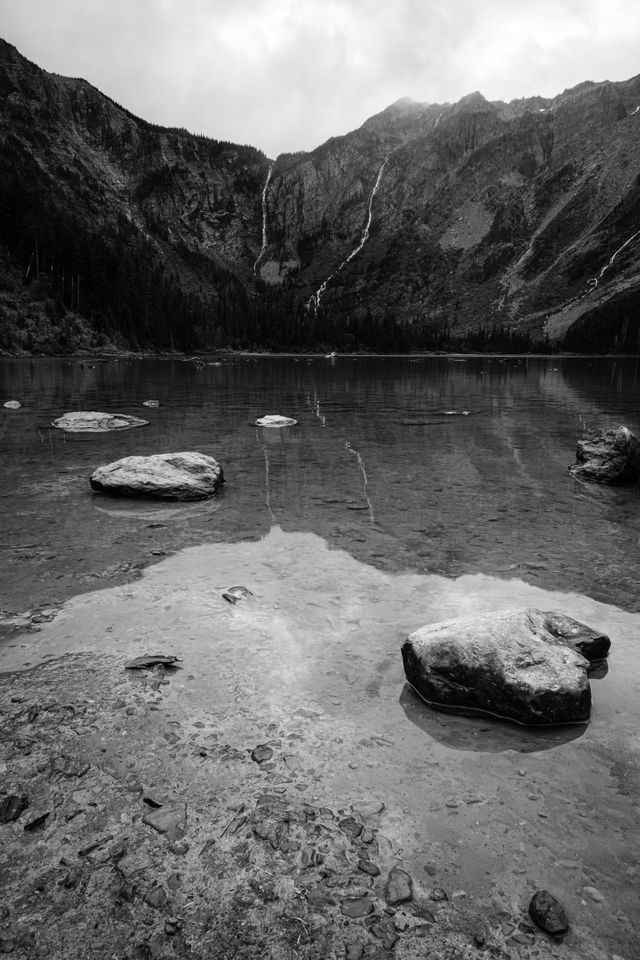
[{"x": 433, "y": 465}]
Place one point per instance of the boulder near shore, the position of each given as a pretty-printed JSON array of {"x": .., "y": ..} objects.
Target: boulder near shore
[
  {"x": 527, "y": 666},
  {"x": 168, "y": 476},
  {"x": 608, "y": 456}
]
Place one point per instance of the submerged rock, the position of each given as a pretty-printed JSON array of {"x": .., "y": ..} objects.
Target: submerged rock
[
  {"x": 274, "y": 420},
  {"x": 89, "y": 421},
  {"x": 12, "y": 806},
  {"x": 509, "y": 664},
  {"x": 547, "y": 912},
  {"x": 152, "y": 660},
  {"x": 13, "y": 405},
  {"x": 170, "y": 476},
  {"x": 611, "y": 456},
  {"x": 233, "y": 594}
]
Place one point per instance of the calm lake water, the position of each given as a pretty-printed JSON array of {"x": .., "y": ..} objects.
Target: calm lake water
[{"x": 428, "y": 465}]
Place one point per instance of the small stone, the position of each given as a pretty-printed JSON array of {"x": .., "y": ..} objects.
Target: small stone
[
  {"x": 593, "y": 893},
  {"x": 12, "y": 806},
  {"x": 6, "y": 945},
  {"x": 354, "y": 951},
  {"x": 167, "y": 819},
  {"x": 351, "y": 827},
  {"x": 12, "y": 405},
  {"x": 399, "y": 887},
  {"x": 172, "y": 925},
  {"x": 438, "y": 894},
  {"x": 179, "y": 848},
  {"x": 261, "y": 753},
  {"x": 368, "y": 867},
  {"x": 367, "y": 808},
  {"x": 357, "y": 907},
  {"x": 156, "y": 898},
  {"x": 547, "y": 912}
]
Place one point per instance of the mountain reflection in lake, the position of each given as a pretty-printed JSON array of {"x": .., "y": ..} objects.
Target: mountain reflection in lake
[{"x": 425, "y": 465}]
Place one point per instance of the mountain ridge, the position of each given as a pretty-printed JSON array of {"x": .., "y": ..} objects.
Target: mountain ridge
[{"x": 485, "y": 216}]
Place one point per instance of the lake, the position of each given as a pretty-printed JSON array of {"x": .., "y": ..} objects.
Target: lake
[
  {"x": 433, "y": 465},
  {"x": 410, "y": 490}
]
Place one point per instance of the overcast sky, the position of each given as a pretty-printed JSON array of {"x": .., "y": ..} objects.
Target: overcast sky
[{"x": 285, "y": 75}]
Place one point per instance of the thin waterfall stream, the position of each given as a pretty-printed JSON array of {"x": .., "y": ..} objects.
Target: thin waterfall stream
[{"x": 314, "y": 299}]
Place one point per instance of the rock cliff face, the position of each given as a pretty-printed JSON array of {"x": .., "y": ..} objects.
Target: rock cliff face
[{"x": 464, "y": 216}]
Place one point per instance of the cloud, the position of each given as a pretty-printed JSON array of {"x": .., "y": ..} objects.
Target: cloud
[{"x": 287, "y": 74}]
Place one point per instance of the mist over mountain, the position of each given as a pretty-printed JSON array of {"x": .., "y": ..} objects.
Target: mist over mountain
[{"x": 476, "y": 224}]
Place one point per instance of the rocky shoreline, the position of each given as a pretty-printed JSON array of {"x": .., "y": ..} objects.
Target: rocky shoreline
[{"x": 139, "y": 835}]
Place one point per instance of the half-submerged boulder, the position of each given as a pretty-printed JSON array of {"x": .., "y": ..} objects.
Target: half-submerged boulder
[
  {"x": 519, "y": 665},
  {"x": 169, "y": 476},
  {"x": 608, "y": 456},
  {"x": 92, "y": 421}
]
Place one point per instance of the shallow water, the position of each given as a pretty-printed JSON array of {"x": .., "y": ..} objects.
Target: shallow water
[
  {"x": 311, "y": 662},
  {"x": 410, "y": 491}
]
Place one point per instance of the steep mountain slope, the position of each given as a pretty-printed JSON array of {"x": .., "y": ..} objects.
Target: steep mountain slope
[
  {"x": 428, "y": 223},
  {"x": 149, "y": 231},
  {"x": 486, "y": 213}
]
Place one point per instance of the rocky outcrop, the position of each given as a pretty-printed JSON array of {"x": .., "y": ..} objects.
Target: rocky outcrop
[
  {"x": 169, "y": 476},
  {"x": 516, "y": 665},
  {"x": 608, "y": 456}
]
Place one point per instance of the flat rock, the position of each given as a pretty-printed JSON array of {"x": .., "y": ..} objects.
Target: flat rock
[
  {"x": 507, "y": 664},
  {"x": 91, "y": 421},
  {"x": 608, "y": 456},
  {"x": 357, "y": 907},
  {"x": 151, "y": 660},
  {"x": 547, "y": 912},
  {"x": 169, "y": 476},
  {"x": 274, "y": 420},
  {"x": 166, "y": 819}
]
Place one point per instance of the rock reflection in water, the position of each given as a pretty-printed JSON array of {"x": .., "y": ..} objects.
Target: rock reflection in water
[{"x": 483, "y": 734}]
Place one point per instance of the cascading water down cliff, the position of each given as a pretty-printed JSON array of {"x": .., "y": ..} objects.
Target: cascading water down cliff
[
  {"x": 314, "y": 300},
  {"x": 264, "y": 222}
]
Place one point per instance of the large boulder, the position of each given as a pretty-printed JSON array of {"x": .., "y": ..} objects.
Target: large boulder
[
  {"x": 608, "y": 456},
  {"x": 170, "y": 476},
  {"x": 520, "y": 665}
]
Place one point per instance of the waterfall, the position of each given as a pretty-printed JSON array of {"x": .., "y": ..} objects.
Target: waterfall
[
  {"x": 314, "y": 299},
  {"x": 264, "y": 221},
  {"x": 593, "y": 283}
]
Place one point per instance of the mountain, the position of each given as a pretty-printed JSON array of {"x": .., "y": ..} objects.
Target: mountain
[{"x": 471, "y": 224}]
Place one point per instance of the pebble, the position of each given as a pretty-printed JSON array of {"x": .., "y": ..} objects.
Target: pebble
[
  {"x": 354, "y": 951},
  {"x": 358, "y": 907},
  {"x": 593, "y": 893},
  {"x": 438, "y": 894},
  {"x": 12, "y": 806},
  {"x": 168, "y": 818},
  {"x": 367, "y": 808},
  {"x": 399, "y": 887},
  {"x": 261, "y": 753},
  {"x": 368, "y": 867},
  {"x": 547, "y": 912}
]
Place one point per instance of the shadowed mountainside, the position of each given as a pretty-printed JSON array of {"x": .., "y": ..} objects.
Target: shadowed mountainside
[{"x": 431, "y": 225}]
